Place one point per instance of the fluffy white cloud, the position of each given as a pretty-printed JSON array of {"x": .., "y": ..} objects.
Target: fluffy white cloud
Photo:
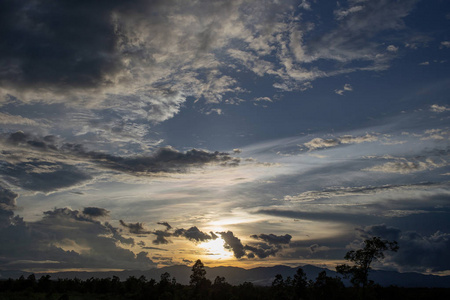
[
  {"x": 445, "y": 44},
  {"x": 318, "y": 143},
  {"x": 392, "y": 48},
  {"x": 347, "y": 88},
  {"x": 439, "y": 108}
]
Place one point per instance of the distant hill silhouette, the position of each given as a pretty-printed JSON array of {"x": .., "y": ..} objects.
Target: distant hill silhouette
[{"x": 258, "y": 276}]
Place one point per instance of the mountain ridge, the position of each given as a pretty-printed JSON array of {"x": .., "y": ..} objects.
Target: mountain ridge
[{"x": 257, "y": 276}]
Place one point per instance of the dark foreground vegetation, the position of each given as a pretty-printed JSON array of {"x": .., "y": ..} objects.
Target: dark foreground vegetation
[
  {"x": 199, "y": 287},
  {"x": 323, "y": 287}
]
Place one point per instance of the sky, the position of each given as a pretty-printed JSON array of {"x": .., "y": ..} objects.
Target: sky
[{"x": 140, "y": 134}]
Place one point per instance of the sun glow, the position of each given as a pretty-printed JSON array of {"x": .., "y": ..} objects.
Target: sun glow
[{"x": 215, "y": 249}]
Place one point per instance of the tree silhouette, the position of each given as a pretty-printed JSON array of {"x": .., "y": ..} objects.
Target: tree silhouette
[
  {"x": 198, "y": 281},
  {"x": 328, "y": 288},
  {"x": 373, "y": 250},
  {"x": 198, "y": 273},
  {"x": 300, "y": 283}
]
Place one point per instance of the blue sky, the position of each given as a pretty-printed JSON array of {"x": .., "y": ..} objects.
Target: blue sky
[{"x": 247, "y": 133}]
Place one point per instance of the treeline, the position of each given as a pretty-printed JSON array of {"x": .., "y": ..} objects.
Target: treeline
[{"x": 298, "y": 287}]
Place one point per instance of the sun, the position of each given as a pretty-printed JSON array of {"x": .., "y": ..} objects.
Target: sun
[{"x": 215, "y": 249}]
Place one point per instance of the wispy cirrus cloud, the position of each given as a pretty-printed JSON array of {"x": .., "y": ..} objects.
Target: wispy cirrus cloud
[{"x": 403, "y": 166}]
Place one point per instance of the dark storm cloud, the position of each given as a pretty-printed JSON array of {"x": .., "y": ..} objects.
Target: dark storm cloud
[
  {"x": 164, "y": 159},
  {"x": 46, "y": 175},
  {"x": 233, "y": 243},
  {"x": 117, "y": 235},
  {"x": 274, "y": 239},
  {"x": 417, "y": 252},
  {"x": 161, "y": 237},
  {"x": 21, "y": 138},
  {"x": 193, "y": 234},
  {"x": 261, "y": 251},
  {"x": 270, "y": 247},
  {"x": 387, "y": 232},
  {"x": 66, "y": 238},
  {"x": 95, "y": 212},
  {"x": 48, "y": 44},
  {"x": 135, "y": 228},
  {"x": 274, "y": 243},
  {"x": 168, "y": 227},
  {"x": 7, "y": 199},
  {"x": 7, "y": 205},
  {"x": 43, "y": 176}
]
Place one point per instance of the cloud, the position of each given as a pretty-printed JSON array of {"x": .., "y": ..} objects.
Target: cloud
[
  {"x": 342, "y": 13},
  {"x": 261, "y": 251},
  {"x": 135, "y": 228},
  {"x": 317, "y": 248},
  {"x": 274, "y": 239},
  {"x": 165, "y": 159},
  {"x": 215, "y": 110},
  {"x": 263, "y": 99},
  {"x": 119, "y": 59},
  {"x": 305, "y": 5},
  {"x": 66, "y": 239},
  {"x": 46, "y": 47},
  {"x": 7, "y": 205},
  {"x": 122, "y": 61},
  {"x": 193, "y": 234},
  {"x": 445, "y": 44},
  {"x": 95, "y": 212},
  {"x": 7, "y": 199},
  {"x": 8, "y": 119},
  {"x": 25, "y": 166},
  {"x": 168, "y": 227},
  {"x": 358, "y": 24},
  {"x": 346, "y": 192},
  {"x": 403, "y": 166},
  {"x": 43, "y": 176},
  {"x": 161, "y": 237},
  {"x": 119, "y": 74},
  {"x": 270, "y": 247},
  {"x": 417, "y": 252},
  {"x": 234, "y": 243},
  {"x": 330, "y": 216},
  {"x": 392, "y": 48},
  {"x": 121, "y": 55},
  {"x": 274, "y": 244},
  {"x": 319, "y": 143},
  {"x": 347, "y": 88},
  {"x": 439, "y": 108}
]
